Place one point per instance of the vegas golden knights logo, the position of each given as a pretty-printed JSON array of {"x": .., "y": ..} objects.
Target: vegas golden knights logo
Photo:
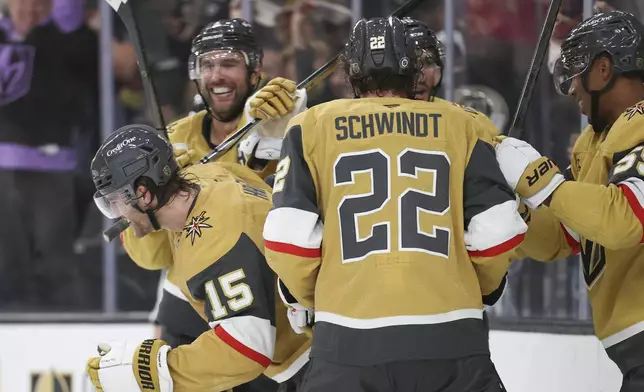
[
  {"x": 593, "y": 260},
  {"x": 51, "y": 382}
]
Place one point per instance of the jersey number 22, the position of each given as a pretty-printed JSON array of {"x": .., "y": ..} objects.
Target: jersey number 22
[{"x": 410, "y": 202}]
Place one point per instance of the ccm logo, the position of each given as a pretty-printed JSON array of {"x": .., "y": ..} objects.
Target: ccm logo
[{"x": 543, "y": 168}]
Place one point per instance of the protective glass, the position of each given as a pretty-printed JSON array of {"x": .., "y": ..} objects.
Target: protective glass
[
  {"x": 205, "y": 65},
  {"x": 565, "y": 71},
  {"x": 114, "y": 204}
]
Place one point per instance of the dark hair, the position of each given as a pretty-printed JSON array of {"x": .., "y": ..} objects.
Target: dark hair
[{"x": 166, "y": 193}]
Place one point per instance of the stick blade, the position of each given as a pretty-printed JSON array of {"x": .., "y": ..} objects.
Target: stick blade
[{"x": 116, "y": 4}]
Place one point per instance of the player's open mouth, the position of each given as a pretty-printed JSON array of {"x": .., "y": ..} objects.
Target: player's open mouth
[{"x": 222, "y": 92}]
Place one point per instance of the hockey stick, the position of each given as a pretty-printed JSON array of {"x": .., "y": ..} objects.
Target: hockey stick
[
  {"x": 128, "y": 14},
  {"x": 309, "y": 83},
  {"x": 516, "y": 127}
]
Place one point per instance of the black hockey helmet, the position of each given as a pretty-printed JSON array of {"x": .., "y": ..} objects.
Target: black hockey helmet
[
  {"x": 615, "y": 34},
  {"x": 429, "y": 50},
  {"x": 424, "y": 39},
  {"x": 129, "y": 154},
  {"x": 379, "y": 47},
  {"x": 234, "y": 35}
]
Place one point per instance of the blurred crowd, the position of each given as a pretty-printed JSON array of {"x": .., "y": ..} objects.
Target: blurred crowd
[{"x": 50, "y": 244}]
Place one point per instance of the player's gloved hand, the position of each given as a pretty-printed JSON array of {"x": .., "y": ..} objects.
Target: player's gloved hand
[
  {"x": 262, "y": 147},
  {"x": 184, "y": 155},
  {"x": 276, "y": 103},
  {"x": 532, "y": 176},
  {"x": 131, "y": 367},
  {"x": 300, "y": 318},
  {"x": 274, "y": 100}
]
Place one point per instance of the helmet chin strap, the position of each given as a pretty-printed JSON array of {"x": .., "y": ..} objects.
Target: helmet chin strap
[
  {"x": 152, "y": 216},
  {"x": 599, "y": 124},
  {"x": 153, "y": 219}
]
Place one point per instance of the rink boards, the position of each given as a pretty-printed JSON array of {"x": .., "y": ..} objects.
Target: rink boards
[{"x": 51, "y": 358}]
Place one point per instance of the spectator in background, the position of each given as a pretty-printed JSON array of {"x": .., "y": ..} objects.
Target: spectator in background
[
  {"x": 311, "y": 32},
  {"x": 501, "y": 36},
  {"x": 49, "y": 68},
  {"x": 183, "y": 21},
  {"x": 432, "y": 13}
]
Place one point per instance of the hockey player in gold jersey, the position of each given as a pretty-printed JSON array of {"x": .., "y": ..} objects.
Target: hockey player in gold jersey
[
  {"x": 597, "y": 207},
  {"x": 384, "y": 207},
  {"x": 225, "y": 64},
  {"x": 214, "y": 214},
  {"x": 431, "y": 55}
]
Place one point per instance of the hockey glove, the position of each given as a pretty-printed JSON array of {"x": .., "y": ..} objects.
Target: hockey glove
[
  {"x": 131, "y": 367},
  {"x": 273, "y": 100},
  {"x": 184, "y": 155},
  {"x": 300, "y": 318},
  {"x": 261, "y": 147},
  {"x": 277, "y": 103},
  {"x": 529, "y": 174}
]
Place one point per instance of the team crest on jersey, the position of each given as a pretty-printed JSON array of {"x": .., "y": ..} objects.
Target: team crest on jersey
[
  {"x": 193, "y": 229},
  {"x": 634, "y": 110}
]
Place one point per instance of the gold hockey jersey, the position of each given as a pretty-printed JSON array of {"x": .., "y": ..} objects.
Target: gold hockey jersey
[
  {"x": 153, "y": 251},
  {"x": 409, "y": 201},
  {"x": 601, "y": 214},
  {"x": 220, "y": 267}
]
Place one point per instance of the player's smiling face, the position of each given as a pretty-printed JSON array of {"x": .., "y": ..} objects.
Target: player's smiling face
[{"x": 225, "y": 82}]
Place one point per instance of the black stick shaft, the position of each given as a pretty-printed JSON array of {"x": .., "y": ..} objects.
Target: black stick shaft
[
  {"x": 516, "y": 127},
  {"x": 128, "y": 15}
]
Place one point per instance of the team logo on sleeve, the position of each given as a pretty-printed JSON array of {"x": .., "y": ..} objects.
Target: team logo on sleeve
[
  {"x": 193, "y": 229},
  {"x": 634, "y": 110}
]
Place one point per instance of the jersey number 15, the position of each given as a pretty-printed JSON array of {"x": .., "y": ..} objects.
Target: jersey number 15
[{"x": 239, "y": 294}]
